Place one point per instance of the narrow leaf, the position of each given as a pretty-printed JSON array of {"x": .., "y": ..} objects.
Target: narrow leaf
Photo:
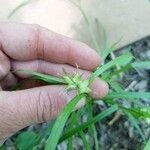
[
  {"x": 109, "y": 50},
  {"x": 92, "y": 127},
  {"x": 70, "y": 143},
  {"x": 26, "y": 140},
  {"x": 141, "y": 64},
  {"x": 121, "y": 60},
  {"x": 48, "y": 78},
  {"x": 128, "y": 95},
  {"x": 24, "y": 3},
  {"x": 85, "y": 125},
  {"x": 84, "y": 140},
  {"x": 89, "y": 26},
  {"x": 60, "y": 123},
  {"x": 147, "y": 147},
  {"x": 135, "y": 122},
  {"x": 142, "y": 112}
]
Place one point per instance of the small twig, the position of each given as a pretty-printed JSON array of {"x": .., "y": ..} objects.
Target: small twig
[
  {"x": 133, "y": 83},
  {"x": 117, "y": 116}
]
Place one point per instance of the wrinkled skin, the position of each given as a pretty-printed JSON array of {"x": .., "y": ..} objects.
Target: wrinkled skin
[{"x": 24, "y": 46}]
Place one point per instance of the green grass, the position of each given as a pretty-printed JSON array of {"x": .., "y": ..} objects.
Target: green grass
[
  {"x": 60, "y": 123},
  {"x": 147, "y": 147},
  {"x": 68, "y": 124}
]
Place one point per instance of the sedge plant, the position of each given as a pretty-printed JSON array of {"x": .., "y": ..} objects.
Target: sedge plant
[{"x": 69, "y": 124}]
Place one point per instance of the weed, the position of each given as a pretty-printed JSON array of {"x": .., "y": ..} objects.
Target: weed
[{"x": 57, "y": 132}]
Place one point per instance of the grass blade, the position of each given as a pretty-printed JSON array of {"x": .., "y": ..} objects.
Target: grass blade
[
  {"x": 75, "y": 122},
  {"x": 104, "y": 52},
  {"x": 121, "y": 60},
  {"x": 92, "y": 127},
  {"x": 60, "y": 123},
  {"x": 116, "y": 86},
  {"x": 141, "y": 112},
  {"x": 141, "y": 64},
  {"x": 103, "y": 37},
  {"x": 122, "y": 70},
  {"x": 128, "y": 95},
  {"x": 70, "y": 143},
  {"x": 95, "y": 137},
  {"x": 24, "y": 3},
  {"x": 48, "y": 78},
  {"x": 85, "y": 142},
  {"x": 147, "y": 147},
  {"x": 71, "y": 124},
  {"x": 85, "y": 125},
  {"x": 81, "y": 133},
  {"x": 133, "y": 120},
  {"x": 135, "y": 123},
  {"x": 109, "y": 50},
  {"x": 89, "y": 26},
  {"x": 2, "y": 147}
]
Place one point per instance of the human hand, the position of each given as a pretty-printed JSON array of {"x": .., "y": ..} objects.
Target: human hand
[{"x": 35, "y": 48}]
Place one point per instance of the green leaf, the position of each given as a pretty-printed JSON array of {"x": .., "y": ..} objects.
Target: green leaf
[
  {"x": 71, "y": 124},
  {"x": 70, "y": 143},
  {"x": 147, "y": 147},
  {"x": 89, "y": 26},
  {"x": 135, "y": 123},
  {"x": 128, "y": 95},
  {"x": 109, "y": 50},
  {"x": 48, "y": 78},
  {"x": 44, "y": 134},
  {"x": 26, "y": 140},
  {"x": 92, "y": 127},
  {"x": 60, "y": 123},
  {"x": 122, "y": 70},
  {"x": 85, "y": 142},
  {"x": 81, "y": 133},
  {"x": 103, "y": 37},
  {"x": 104, "y": 52},
  {"x": 121, "y": 60},
  {"x": 85, "y": 125},
  {"x": 141, "y": 64},
  {"x": 116, "y": 86},
  {"x": 2, "y": 147},
  {"x": 142, "y": 112}
]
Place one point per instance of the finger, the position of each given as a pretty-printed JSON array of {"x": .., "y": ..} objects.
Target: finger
[
  {"x": 28, "y": 42},
  {"x": 4, "y": 65},
  {"x": 99, "y": 87},
  {"x": 9, "y": 81},
  {"x": 22, "y": 108}
]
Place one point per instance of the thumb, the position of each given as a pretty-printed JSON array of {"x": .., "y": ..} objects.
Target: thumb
[{"x": 22, "y": 108}]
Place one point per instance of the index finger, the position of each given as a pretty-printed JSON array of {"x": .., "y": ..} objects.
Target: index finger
[{"x": 28, "y": 42}]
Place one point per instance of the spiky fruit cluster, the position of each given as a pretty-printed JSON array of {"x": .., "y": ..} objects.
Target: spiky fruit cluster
[{"x": 76, "y": 82}]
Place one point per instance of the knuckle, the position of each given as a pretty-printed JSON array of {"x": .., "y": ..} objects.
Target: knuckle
[
  {"x": 38, "y": 41},
  {"x": 44, "y": 106},
  {"x": 36, "y": 26}
]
